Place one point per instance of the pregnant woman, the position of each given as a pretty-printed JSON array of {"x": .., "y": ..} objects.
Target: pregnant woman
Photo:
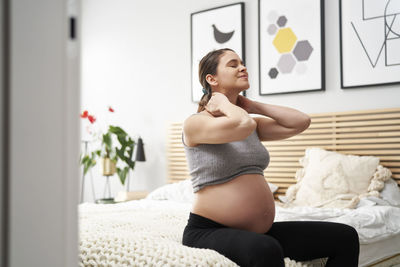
[{"x": 233, "y": 212}]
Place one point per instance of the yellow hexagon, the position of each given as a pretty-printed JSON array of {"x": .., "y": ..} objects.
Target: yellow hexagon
[{"x": 284, "y": 40}]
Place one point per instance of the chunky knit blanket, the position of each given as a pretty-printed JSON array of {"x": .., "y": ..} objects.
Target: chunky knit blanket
[{"x": 144, "y": 233}]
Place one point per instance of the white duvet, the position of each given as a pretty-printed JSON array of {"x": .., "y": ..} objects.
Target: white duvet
[
  {"x": 373, "y": 223},
  {"x": 149, "y": 232}
]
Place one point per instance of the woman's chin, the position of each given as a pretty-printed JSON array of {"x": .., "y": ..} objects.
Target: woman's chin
[{"x": 243, "y": 88}]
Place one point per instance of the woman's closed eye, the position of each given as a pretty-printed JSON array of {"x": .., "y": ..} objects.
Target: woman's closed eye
[
  {"x": 234, "y": 63},
  {"x": 236, "y": 66}
]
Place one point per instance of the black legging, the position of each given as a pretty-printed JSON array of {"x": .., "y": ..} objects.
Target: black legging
[{"x": 299, "y": 240}]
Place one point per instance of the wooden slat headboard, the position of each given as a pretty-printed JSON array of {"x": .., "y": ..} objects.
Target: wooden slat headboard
[{"x": 366, "y": 132}]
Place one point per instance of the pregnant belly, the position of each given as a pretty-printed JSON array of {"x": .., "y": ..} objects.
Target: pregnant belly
[{"x": 245, "y": 202}]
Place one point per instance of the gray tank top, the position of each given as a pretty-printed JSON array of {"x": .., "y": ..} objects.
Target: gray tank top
[{"x": 211, "y": 164}]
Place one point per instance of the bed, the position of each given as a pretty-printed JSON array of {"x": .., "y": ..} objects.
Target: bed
[{"x": 148, "y": 232}]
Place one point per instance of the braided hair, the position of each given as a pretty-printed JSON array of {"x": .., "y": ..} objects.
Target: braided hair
[{"x": 208, "y": 65}]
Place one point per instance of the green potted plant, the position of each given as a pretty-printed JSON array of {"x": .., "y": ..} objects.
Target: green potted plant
[{"x": 110, "y": 153}]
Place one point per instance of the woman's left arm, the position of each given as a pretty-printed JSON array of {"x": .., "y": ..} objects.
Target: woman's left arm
[{"x": 283, "y": 122}]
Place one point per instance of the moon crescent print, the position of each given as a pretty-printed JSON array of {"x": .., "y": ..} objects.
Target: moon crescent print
[
  {"x": 222, "y": 37},
  {"x": 212, "y": 29}
]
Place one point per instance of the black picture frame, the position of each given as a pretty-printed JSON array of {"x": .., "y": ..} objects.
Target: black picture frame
[
  {"x": 282, "y": 52},
  {"x": 369, "y": 46},
  {"x": 215, "y": 28}
]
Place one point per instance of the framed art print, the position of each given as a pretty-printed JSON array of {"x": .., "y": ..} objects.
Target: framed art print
[
  {"x": 211, "y": 29},
  {"x": 291, "y": 46},
  {"x": 369, "y": 42}
]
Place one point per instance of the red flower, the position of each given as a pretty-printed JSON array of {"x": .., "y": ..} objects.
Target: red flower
[
  {"x": 110, "y": 109},
  {"x": 84, "y": 114},
  {"x": 91, "y": 118}
]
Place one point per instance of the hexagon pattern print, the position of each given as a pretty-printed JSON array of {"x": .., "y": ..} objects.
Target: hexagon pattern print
[{"x": 291, "y": 46}]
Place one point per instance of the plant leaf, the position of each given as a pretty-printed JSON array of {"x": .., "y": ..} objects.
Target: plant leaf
[
  {"x": 120, "y": 154},
  {"x": 117, "y": 130},
  {"x": 122, "y": 174},
  {"x": 107, "y": 140}
]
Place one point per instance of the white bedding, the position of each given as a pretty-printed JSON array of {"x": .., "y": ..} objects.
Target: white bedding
[
  {"x": 139, "y": 233},
  {"x": 149, "y": 232},
  {"x": 373, "y": 223}
]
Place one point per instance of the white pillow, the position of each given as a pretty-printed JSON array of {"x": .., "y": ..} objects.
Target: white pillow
[
  {"x": 391, "y": 193},
  {"x": 332, "y": 179},
  {"x": 273, "y": 187},
  {"x": 181, "y": 191},
  {"x": 389, "y": 196}
]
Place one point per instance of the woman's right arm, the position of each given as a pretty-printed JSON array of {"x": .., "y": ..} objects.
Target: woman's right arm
[{"x": 235, "y": 123}]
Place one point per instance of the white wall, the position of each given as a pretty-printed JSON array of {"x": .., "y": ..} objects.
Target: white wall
[{"x": 136, "y": 58}]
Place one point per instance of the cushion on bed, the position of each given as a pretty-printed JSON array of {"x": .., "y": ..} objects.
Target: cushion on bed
[
  {"x": 391, "y": 193},
  {"x": 273, "y": 187},
  {"x": 332, "y": 179},
  {"x": 181, "y": 191}
]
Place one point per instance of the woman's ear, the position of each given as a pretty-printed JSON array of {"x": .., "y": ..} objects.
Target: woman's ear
[{"x": 211, "y": 80}]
